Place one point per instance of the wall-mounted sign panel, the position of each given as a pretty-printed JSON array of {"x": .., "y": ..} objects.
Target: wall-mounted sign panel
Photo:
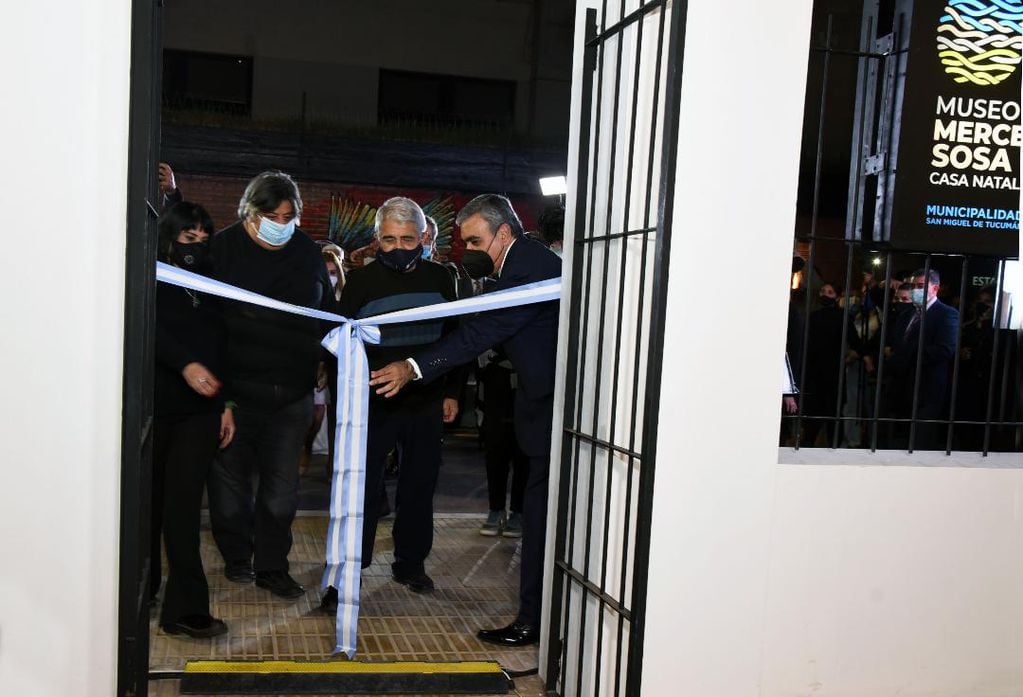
[{"x": 957, "y": 178}]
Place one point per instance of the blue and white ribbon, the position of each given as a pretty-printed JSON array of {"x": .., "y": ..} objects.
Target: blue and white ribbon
[{"x": 348, "y": 342}]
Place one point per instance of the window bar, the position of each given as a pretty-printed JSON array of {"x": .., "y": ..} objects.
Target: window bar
[
  {"x": 815, "y": 214},
  {"x": 838, "y": 424},
  {"x": 641, "y": 314},
  {"x": 587, "y": 282},
  {"x": 600, "y": 339},
  {"x": 625, "y": 233},
  {"x": 879, "y": 382},
  {"x": 620, "y": 26},
  {"x": 955, "y": 363},
  {"x": 616, "y": 373},
  {"x": 662, "y": 255},
  {"x": 922, "y": 328},
  {"x": 1003, "y": 398},
  {"x": 996, "y": 328},
  {"x": 560, "y": 619}
]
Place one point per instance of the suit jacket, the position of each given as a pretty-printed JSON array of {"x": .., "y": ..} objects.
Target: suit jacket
[
  {"x": 940, "y": 329},
  {"x": 528, "y": 335}
]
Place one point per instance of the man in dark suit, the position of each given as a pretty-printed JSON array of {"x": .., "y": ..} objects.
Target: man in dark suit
[
  {"x": 496, "y": 246},
  {"x": 935, "y": 326}
]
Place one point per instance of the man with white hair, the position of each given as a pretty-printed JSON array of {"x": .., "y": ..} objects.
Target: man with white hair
[{"x": 399, "y": 279}]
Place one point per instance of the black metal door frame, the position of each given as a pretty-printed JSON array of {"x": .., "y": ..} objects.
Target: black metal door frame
[
  {"x": 573, "y": 576},
  {"x": 137, "y": 394}
]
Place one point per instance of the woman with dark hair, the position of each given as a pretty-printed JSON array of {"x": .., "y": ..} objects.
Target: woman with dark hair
[{"x": 191, "y": 421}]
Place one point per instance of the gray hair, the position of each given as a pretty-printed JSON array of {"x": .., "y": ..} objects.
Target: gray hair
[
  {"x": 266, "y": 192},
  {"x": 430, "y": 222},
  {"x": 400, "y": 210},
  {"x": 493, "y": 208}
]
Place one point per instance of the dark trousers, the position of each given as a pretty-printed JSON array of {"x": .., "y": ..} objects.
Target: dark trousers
[
  {"x": 267, "y": 444},
  {"x": 533, "y": 428},
  {"x": 534, "y": 531},
  {"x": 183, "y": 450},
  {"x": 418, "y": 434},
  {"x": 502, "y": 451}
]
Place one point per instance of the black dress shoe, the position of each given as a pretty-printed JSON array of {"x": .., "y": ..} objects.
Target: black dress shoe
[
  {"x": 280, "y": 584},
  {"x": 515, "y": 634},
  {"x": 196, "y": 626},
  {"x": 239, "y": 571},
  {"x": 328, "y": 603},
  {"x": 417, "y": 582}
]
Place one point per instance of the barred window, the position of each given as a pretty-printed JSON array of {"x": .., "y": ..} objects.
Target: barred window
[{"x": 906, "y": 293}]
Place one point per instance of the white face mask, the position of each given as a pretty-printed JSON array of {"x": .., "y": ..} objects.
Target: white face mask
[{"x": 333, "y": 280}]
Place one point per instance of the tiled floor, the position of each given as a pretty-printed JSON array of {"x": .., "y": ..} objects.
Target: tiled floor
[{"x": 476, "y": 577}]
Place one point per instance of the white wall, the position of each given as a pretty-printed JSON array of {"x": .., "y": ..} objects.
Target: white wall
[
  {"x": 818, "y": 578},
  {"x": 63, "y": 135}
]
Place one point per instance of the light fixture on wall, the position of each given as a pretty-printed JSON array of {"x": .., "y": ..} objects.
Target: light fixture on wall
[{"x": 554, "y": 186}]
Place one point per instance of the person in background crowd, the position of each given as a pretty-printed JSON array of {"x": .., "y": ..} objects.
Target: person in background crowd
[
  {"x": 934, "y": 325},
  {"x": 399, "y": 279},
  {"x": 320, "y": 402},
  {"x": 496, "y": 383},
  {"x": 826, "y": 357},
  {"x": 333, "y": 258},
  {"x": 272, "y": 361},
  {"x": 496, "y": 245},
  {"x": 552, "y": 227},
  {"x": 169, "y": 192},
  {"x": 858, "y": 403},
  {"x": 429, "y": 239},
  {"x": 975, "y": 360},
  {"x": 190, "y": 421},
  {"x": 904, "y": 296}
]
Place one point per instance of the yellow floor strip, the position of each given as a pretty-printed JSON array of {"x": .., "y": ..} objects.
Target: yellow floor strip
[{"x": 342, "y": 667}]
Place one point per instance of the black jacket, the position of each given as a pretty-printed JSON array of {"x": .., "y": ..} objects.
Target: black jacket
[
  {"x": 189, "y": 329},
  {"x": 528, "y": 334},
  {"x": 271, "y": 356},
  {"x": 375, "y": 290}
]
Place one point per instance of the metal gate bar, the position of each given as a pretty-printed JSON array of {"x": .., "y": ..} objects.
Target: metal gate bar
[{"x": 595, "y": 311}]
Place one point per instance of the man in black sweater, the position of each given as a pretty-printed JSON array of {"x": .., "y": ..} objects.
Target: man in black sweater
[
  {"x": 271, "y": 359},
  {"x": 401, "y": 278}
]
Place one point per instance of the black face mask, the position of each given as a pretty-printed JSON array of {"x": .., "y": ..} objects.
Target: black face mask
[
  {"x": 981, "y": 308},
  {"x": 401, "y": 260},
  {"x": 477, "y": 264},
  {"x": 827, "y": 302},
  {"x": 190, "y": 256}
]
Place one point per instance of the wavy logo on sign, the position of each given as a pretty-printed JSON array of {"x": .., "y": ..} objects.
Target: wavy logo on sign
[{"x": 981, "y": 41}]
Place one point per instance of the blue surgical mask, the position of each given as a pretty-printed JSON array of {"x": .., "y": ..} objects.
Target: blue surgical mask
[
  {"x": 918, "y": 296},
  {"x": 275, "y": 233}
]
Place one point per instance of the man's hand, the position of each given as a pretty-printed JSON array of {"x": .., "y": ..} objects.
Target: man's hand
[
  {"x": 788, "y": 403},
  {"x": 226, "y": 428},
  {"x": 391, "y": 378},
  {"x": 200, "y": 379},
  {"x": 450, "y": 410},
  {"x": 166, "y": 176}
]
